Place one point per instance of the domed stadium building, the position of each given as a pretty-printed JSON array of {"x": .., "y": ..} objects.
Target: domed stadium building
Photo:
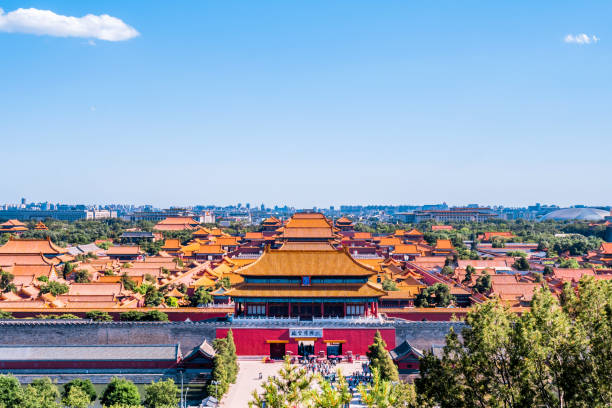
[{"x": 583, "y": 214}]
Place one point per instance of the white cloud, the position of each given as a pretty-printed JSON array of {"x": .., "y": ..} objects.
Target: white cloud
[
  {"x": 46, "y": 22},
  {"x": 581, "y": 39}
]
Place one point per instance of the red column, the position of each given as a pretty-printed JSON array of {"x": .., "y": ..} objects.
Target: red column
[
  {"x": 289, "y": 309},
  {"x": 246, "y": 308},
  {"x": 344, "y": 307},
  {"x": 322, "y": 310},
  {"x": 267, "y": 309}
]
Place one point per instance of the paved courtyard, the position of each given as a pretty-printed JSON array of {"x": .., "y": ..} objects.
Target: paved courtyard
[{"x": 248, "y": 380}]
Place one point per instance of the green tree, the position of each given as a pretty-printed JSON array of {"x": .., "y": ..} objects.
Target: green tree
[
  {"x": 201, "y": 296},
  {"x": 120, "y": 391},
  {"x": 569, "y": 263},
  {"x": 6, "y": 281},
  {"x": 84, "y": 385},
  {"x": 55, "y": 288},
  {"x": 483, "y": 283},
  {"x": 288, "y": 389},
  {"x": 437, "y": 295},
  {"x": 82, "y": 276},
  {"x": 548, "y": 270},
  {"x": 40, "y": 393},
  {"x": 329, "y": 396},
  {"x": 225, "y": 365},
  {"x": 155, "y": 316},
  {"x": 521, "y": 264},
  {"x": 6, "y": 315},
  {"x": 550, "y": 356},
  {"x": 223, "y": 283},
  {"x": 389, "y": 285},
  {"x": 447, "y": 271},
  {"x": 67, "y": 271},
  {"x": 127, "y": 282},
  {"x": 153, "y": 297},
  {"x": 381, "y": 359},
  {"x": 469, "y": 272},
  {"x": 161, "y": 394},
  {"x": 382, "y": 393},
  {"x": 76, "y": 398},
  {"x": 131, "y": 316},
  {"x": 232, "y": 358},
  {"x": 172, "y": 302},
  {"x": 99, "y": 316},
  {"x": 11, "y": 393}
]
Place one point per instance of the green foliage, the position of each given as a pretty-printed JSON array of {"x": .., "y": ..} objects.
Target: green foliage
[
  {"x": 55, "y": 288},
  {"x": 201, "y": 296},
  {"x": 99, "y": 316},
  {"x": 550, "y": 356},
  {"x": 569, "y": 263},
  {"x": 329, "y": 396},
  {"x": 469, "y": 272},
  {"x": 120, "y": 391},
  {"x": 516, "y": 254},
  {"x": 11, "y": 393},
  {"x": 483, "y": 283},
  {"x": 6, "y": 315},
  {"x": 42, "y": 278},
  {"x": 288, "y": 389},
  {"x": 389, "y": 285},
  {"x": 40, "y": 393},
  {"x": 225, "y": 365},
  {"x": 82, "y": 276},
  {"x": 66, "y": 233},
  {"x": 172, "y": 302},
  {"x": 447, "y": 271},
  {"x": 83, "y": 385},
  {"x": 225, "y": 283},
  {"x": 68, "y": 268},
  {"x": 153, "y": 297},
  {"x": 65, "y": 316},
  {"x": 521, "y": 264},
  {"x": 437, "y": 295},
  {"x": 6, "y": 281},
  {"x": 381, "y": 359},
  {"x": 127, "y": 282},
  {"x": 104, "y": 245},
  {"x": 131, "y": 316},
  {"x": 76, "y": 398},
  {"x": 548, "y": 270},
  {"x": 382, "y": 393},
  {"x": 150, "y": 247},
  {"x": 150, "y": 316},
  {"x": 161, "y": 394}
]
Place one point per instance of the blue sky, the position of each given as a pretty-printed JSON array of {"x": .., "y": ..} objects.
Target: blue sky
[{"x": 311, "y": 103}]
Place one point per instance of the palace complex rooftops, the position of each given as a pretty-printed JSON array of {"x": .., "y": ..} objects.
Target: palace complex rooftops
[
  {"x": 177, "y": 224},
  {"x": 13, "y": 226},
  {"x": 278, "y": 262},
  {"x": 31, "y": 246}
]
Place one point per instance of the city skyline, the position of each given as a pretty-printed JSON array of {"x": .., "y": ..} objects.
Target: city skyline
[{"x": 312, "y": 104}]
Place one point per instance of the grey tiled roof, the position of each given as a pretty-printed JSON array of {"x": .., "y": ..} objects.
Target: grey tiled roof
[{"x": 169, "y": 352}]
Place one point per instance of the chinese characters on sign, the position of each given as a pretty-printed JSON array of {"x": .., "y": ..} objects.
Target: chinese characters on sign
[{"x": 305, "y": 333}]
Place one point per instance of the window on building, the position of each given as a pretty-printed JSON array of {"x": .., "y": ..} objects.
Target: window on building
[
  {"x": 256, "y": 310},
  {"x": 305, "y": 280},
  {"x": 354, "y": 310}
]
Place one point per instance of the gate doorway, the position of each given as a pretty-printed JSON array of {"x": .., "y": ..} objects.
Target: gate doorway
[
  {"x": 334, "y": 349},
  {"x": 277, "y": 351},
  {"x": 306, "y": 348}
]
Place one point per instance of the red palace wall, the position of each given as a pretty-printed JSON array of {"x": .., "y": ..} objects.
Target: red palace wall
[{"x": 253, "y": 342}]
